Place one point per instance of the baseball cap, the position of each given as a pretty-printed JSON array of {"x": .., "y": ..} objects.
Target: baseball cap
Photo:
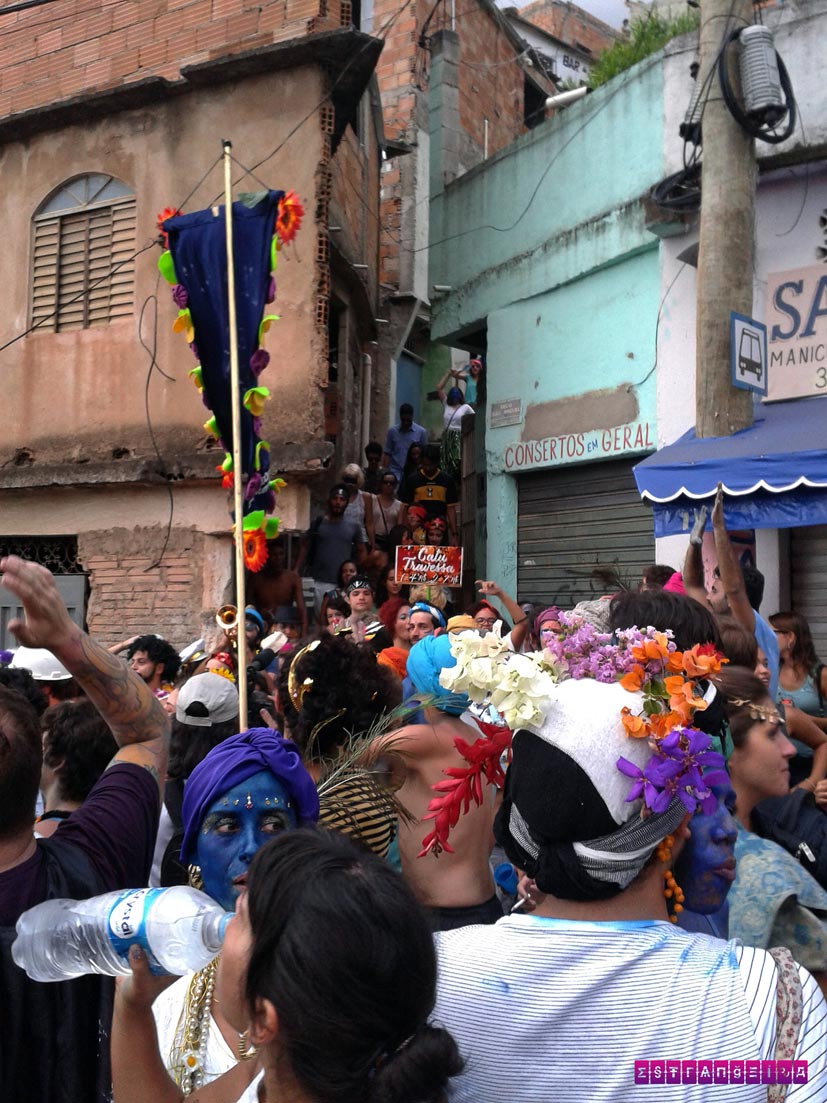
[{"x": 218, "y": 696}]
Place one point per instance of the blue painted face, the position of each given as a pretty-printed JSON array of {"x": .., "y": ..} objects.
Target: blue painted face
[
  {"x": 705, "y": 868},
  {"x": 235, "y": 826}
]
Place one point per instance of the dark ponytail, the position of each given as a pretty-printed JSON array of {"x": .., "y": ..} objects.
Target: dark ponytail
[
  {"x": 418, "y": 1071},
  {"x": 343, "y": 951}
]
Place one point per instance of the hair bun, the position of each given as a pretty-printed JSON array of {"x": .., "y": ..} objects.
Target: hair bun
[{"x": 418, "y": 1070}]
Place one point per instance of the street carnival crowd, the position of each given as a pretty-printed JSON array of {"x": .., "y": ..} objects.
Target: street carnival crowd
[{"x": 476, "y": 852}]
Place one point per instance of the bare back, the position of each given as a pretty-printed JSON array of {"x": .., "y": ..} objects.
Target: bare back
[
  {"x": 451, "y": 880},
  {"x": 270, "y": 591}
]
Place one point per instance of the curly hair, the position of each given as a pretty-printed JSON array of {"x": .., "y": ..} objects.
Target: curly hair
[
  {"x": 349, "y": 692},
  {"x": 158, "y": 651},
  {"x": 77, "y": 739}
]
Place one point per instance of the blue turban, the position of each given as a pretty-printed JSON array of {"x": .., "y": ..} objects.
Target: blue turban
[
  {"x": 233, "y": 761},
  {"x": 426, "y": 661}
]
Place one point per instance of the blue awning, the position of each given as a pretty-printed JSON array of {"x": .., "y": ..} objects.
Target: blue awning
[{"x": 774, "y": 474}]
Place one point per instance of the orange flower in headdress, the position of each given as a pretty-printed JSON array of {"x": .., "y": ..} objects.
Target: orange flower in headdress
[
  {"x": 702, "y": 660},
  {"x": 289, "y": 217}
]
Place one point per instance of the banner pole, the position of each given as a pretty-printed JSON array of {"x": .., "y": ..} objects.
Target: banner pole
[{"x": 238, "y": 489}]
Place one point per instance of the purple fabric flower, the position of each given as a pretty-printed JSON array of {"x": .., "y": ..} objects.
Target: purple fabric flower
[
  {"x": 270, "y": 501},
  {"x": 259, "y": 361},
  {"x": 179, "y": 296},
  {"x": 194, "y": 350},
  {"x": 271, "y": 290},
  {"x": 257, "y": 426},
  {"x": 253, "y": 486}
]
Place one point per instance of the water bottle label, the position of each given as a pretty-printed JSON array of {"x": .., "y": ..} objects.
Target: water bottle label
[{"x": 127, "y": 924}]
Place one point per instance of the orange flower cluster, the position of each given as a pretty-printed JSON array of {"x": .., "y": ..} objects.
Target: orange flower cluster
[{"x": 669, "y": 698}]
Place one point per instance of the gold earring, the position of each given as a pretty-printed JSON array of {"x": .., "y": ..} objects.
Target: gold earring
[{"x": 195, "y": 879}]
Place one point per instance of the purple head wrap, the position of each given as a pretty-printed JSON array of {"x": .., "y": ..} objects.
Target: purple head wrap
[{"x": 236, "y": 759}]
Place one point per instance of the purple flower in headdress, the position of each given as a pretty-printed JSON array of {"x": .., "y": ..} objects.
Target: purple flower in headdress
[
  {"x": 642, "y": 787},
  {"x": 253, "y": 486},
  {"x": 180, "y": 296},
  {"x": 271, "y": 290},
  {"x": 259, "y": 361}
]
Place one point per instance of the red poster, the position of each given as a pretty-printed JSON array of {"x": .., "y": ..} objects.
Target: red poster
[{"x": 426, "y": 563}]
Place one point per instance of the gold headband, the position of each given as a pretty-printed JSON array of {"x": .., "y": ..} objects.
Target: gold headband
[{"x": 758, "y": 712}]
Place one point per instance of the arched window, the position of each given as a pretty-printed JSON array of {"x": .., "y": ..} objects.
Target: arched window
[{"x": 83, "y": 243}]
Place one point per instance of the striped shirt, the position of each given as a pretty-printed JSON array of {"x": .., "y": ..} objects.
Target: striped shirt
[{"x": 557, "y": 1010}]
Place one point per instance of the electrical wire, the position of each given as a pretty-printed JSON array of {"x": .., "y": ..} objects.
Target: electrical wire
[
  {"x": 633, "y": 386},
  {"x": 507, "y": 229},
  {"x": 153, "y": 364},
  {"x": 80, "y": 295},
  {"x": 382, "y": 36}
]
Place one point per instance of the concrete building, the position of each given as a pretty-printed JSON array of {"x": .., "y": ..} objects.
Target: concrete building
[
  {"x": 584, "y": 293},
  {"x": 498, "y": 94},
  {"x": 109, "y": 113},
  {"x": 564, "y": 38}
]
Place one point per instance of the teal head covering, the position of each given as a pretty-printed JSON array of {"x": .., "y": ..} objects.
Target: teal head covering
[{"x": 426, "y": 661}]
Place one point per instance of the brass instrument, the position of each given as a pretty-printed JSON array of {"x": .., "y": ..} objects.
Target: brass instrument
[{"x": 227, "y": 618}]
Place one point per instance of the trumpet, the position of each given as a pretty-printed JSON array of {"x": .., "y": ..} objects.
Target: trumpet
[{"x": 227, "y": 618}]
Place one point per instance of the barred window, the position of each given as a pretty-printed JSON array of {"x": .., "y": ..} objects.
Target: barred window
[{"x": 82, "y": 255}]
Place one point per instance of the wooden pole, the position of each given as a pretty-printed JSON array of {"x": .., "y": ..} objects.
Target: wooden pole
[
  {"x": 238, "y": 489},
  {"x": 725, "y": 259}
]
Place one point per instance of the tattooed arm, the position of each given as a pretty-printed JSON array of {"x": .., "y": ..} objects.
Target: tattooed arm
[{"x": 133, "y": 713}]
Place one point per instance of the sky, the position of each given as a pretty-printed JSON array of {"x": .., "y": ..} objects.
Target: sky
[{"x": 612, "y": 12}]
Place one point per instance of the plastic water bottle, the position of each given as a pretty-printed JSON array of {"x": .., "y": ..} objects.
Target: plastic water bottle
[{"x": 179, "y": 929}]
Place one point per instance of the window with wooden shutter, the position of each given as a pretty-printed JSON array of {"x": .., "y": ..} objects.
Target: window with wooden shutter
[{"x": 83, "y": 267}]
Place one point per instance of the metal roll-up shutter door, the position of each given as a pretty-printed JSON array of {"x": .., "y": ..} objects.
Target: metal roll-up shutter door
[
  {"x": 576, "y": 525},
  {"x": 808, "y": 556}
]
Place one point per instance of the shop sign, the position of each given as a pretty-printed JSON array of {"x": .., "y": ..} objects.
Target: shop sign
[
  {"x": 428, "y": 563},
  {"x": 796, "y": 316},
  {"x": 507, "y": 412},
  {"x": 596, "y": 444}
]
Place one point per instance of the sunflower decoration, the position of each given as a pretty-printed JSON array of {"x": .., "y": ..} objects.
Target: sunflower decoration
[
  {"x": 256, "y": 530},
  {"x": 288, "y": 217}
]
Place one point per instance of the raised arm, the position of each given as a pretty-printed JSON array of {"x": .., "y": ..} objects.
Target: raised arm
[
  {"x": 732, "y": 577},
  {"x": 131, "y": 710},
  {"x": 518, "y": 618},
  {"x": 693, "y": 564}
]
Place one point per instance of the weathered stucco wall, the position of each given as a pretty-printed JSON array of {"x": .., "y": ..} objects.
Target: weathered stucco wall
[
  {"x": 75, "y": 396},
  {"x": 561, "y": 201}
]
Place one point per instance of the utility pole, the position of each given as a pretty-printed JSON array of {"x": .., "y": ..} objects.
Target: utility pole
[{"x": 725, "y": 258}]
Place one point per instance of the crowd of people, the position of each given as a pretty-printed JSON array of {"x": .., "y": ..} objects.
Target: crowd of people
[{"x": 475, "y": 851}]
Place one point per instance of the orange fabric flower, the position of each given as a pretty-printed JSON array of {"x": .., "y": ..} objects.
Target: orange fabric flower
[
  {"x": 167, "y": 212},
  {"x": 289, "y": 217},
  {"x": 255, "y": 549}
]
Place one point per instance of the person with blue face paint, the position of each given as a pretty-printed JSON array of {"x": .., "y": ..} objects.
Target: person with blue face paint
[
  {"x": 705, "y": 868},
  {"x": 249, "y": 789}
]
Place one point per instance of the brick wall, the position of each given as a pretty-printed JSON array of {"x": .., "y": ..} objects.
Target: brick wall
[
  {"x": 174, "y": 599},
  {"x": 491, "y": 86},
  {"x": 69, "y": 47},
  {"x": 571, "y": 25}
]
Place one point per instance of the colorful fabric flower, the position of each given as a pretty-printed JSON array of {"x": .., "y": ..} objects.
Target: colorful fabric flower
[
  {"x": 289, "y": 217},
  {"x": 179, "y": 296},
  {"x": 167, "y": 212},
  {"x": 255, "y": 398}
]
